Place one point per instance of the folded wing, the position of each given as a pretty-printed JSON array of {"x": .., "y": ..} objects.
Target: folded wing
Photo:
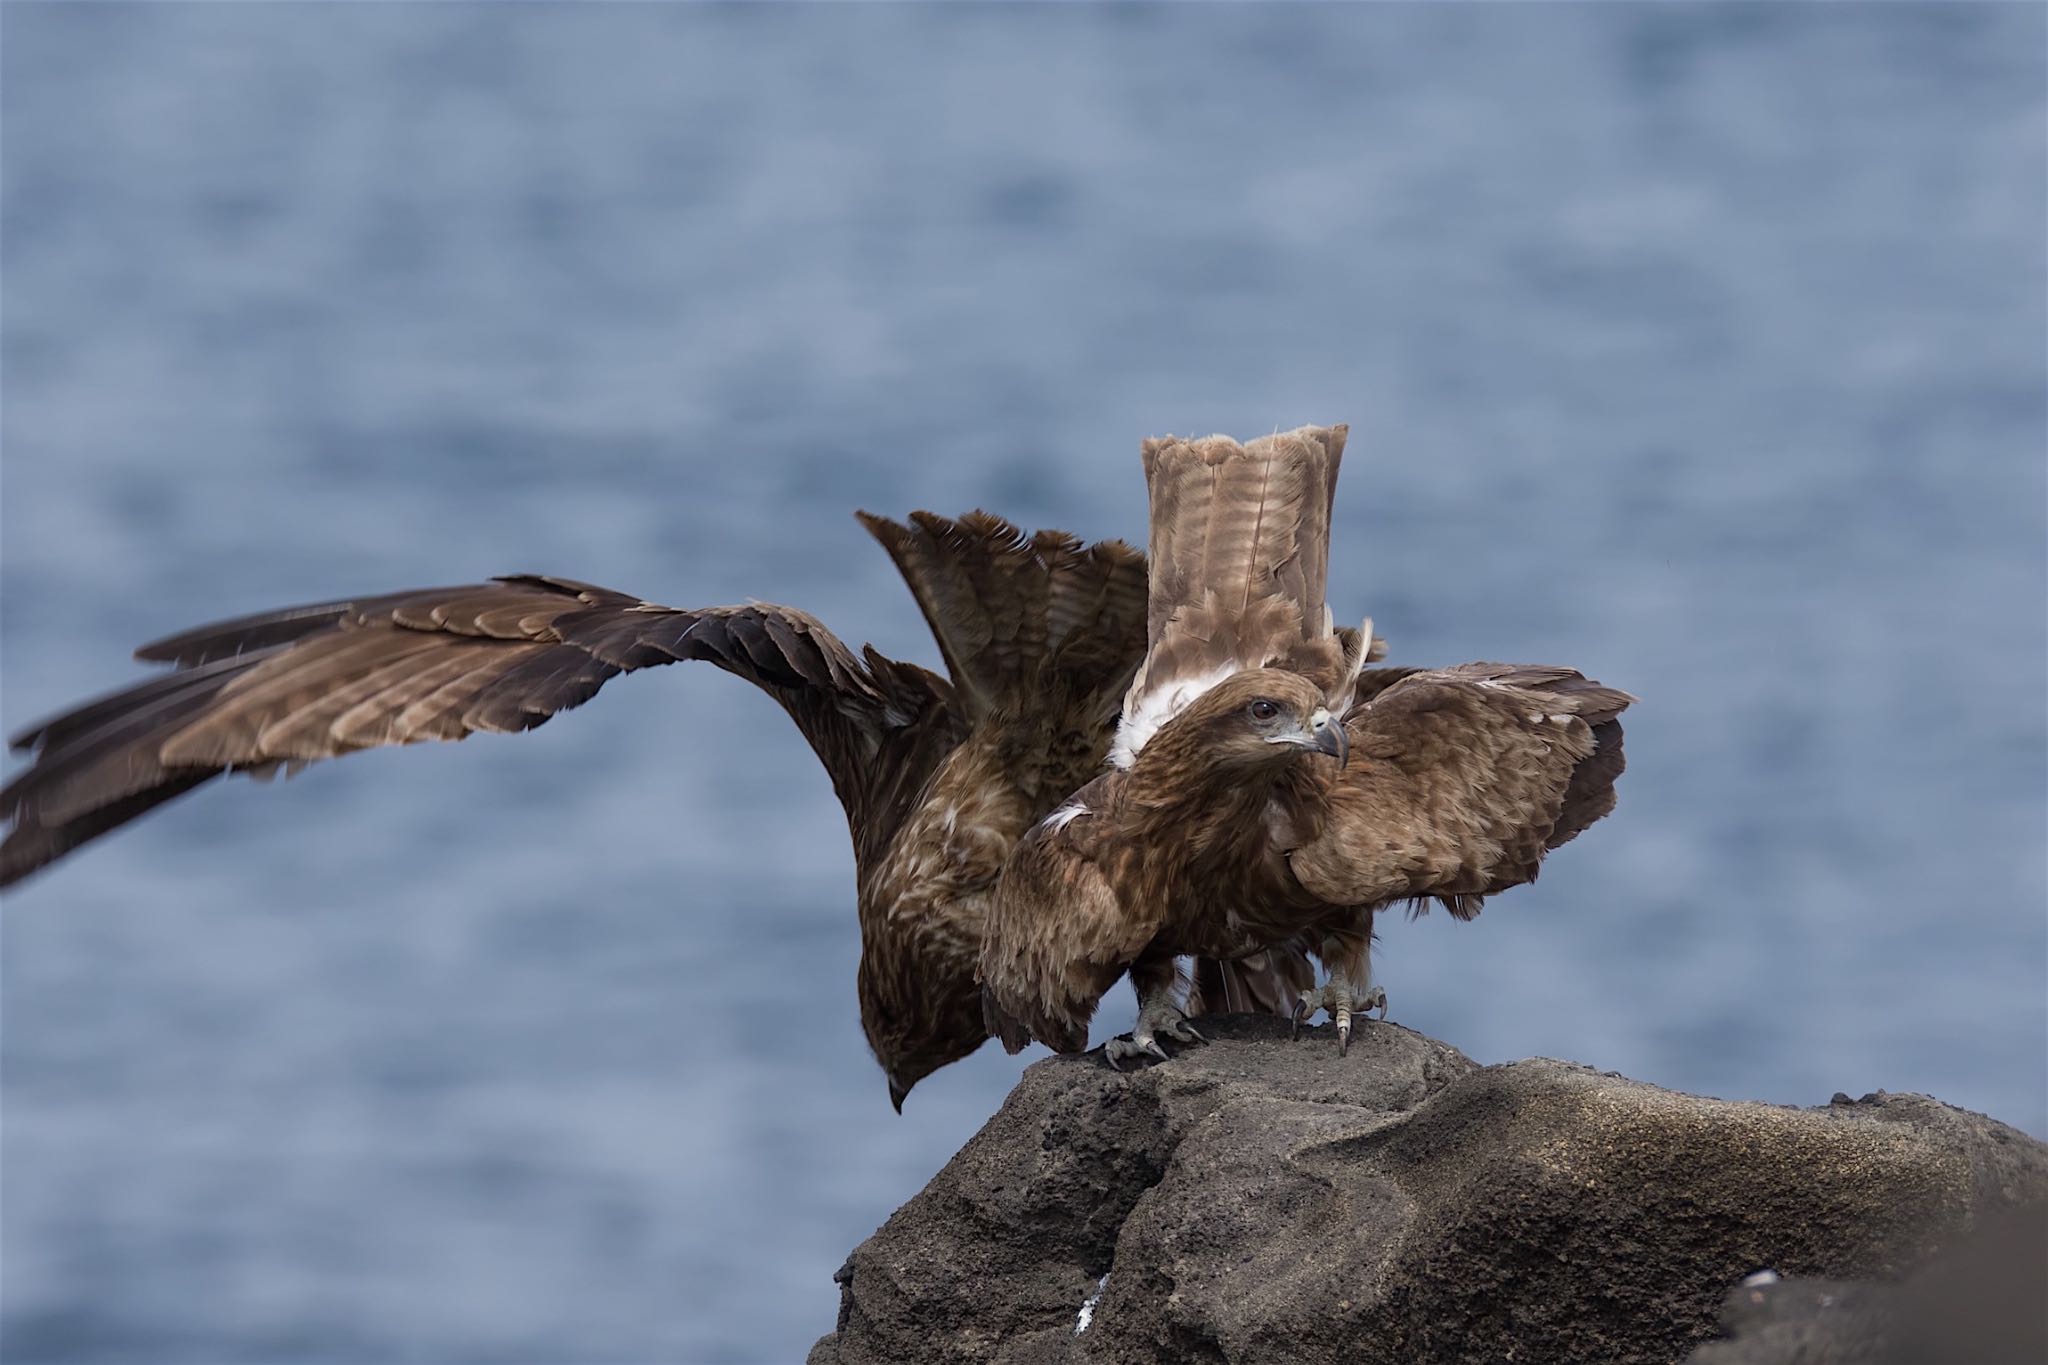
[
  {"x": 1460, "y": 779},
  {"x": 1058, "y": 935}
]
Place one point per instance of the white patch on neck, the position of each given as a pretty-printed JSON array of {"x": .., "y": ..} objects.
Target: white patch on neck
[{"x": 1145, "y": 714}]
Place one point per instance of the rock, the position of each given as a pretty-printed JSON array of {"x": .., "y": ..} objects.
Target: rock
[
  {"x": 1979, "y": 1301},
  {"x": 1810, "y": 1322},
  {"x": 1260, "y": 1200}
]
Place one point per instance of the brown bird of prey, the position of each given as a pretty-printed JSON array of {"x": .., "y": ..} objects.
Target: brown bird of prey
[
  {"x": 939, "y": 776},
  {"x": 1267, "y": 796}
]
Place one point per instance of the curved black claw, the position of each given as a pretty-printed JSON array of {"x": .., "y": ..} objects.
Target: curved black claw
[{"x": 1131, "y": 1048}]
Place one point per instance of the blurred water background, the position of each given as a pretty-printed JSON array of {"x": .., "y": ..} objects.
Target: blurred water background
[{"x": 1702, "y": 348}]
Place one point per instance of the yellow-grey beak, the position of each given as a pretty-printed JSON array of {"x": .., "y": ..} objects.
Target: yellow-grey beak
[{"x": 1330, "y": 737}]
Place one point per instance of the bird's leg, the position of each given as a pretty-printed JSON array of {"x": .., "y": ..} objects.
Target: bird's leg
[
  {"x": 1154, "y": 976},
  {"x": 1347, "y": 954}
]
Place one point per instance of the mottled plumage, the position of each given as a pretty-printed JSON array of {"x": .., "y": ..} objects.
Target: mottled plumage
[
  {"x": 1253, "y": 823},
  {"x": 939, "y": 777},
  {"x": 1240, "y": 550}
]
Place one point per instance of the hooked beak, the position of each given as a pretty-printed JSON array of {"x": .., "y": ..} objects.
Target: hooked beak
[
  {"x": 896, "y": 1094},
  {"x": 1331, "y": 739}
]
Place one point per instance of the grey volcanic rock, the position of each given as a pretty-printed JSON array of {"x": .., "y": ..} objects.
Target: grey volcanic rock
[
  {"x": 1260, "y": 1200},
  {"x": 1977, "y": 1303}
]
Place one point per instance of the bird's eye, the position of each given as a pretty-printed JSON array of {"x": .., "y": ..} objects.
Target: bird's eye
[{"x": 1262, "y": 709}]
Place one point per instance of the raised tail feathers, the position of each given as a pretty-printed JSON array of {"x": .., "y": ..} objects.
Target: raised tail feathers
[{"x": 1240, "y": 549}]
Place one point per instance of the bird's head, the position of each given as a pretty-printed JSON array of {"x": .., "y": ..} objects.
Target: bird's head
[
  {"x": 914, "y": 1025},
  {"x": 1260, "y": 719}
]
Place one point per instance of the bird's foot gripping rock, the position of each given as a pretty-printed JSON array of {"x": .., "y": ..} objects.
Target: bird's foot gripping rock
[
  {"x": 1154, "y": 1022},
  {"x": 1337, "y": 996}
]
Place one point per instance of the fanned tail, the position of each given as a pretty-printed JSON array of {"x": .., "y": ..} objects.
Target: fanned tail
[{"x": 1240, "y": 549}]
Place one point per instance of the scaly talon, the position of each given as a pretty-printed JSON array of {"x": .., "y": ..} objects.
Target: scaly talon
[
  {"x": 1344, "y": 1006},
  {"x": 1154, "y": 1021}
]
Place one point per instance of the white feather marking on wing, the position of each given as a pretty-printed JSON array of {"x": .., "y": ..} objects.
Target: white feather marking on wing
[
  {"x": 1158, "y": 706},
  {"x": 1064, "y": 816},
  {"x": 1354, "y": 660}
]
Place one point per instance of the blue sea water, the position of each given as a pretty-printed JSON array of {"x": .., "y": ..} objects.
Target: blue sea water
[{"x": 1699, "y": 347}]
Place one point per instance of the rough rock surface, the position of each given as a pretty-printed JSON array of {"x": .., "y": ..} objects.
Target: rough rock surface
[
  {"x": 1260, "y": 1200},
  {"x": 1978, "y": 1303}
]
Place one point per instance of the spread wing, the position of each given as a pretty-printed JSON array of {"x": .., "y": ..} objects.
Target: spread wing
[
  {"x": 290, "y": 687},
  {"x": 1015, "y": 614},
  {"x": 1460, "y": 779},
  {"x": 1240, "y": 550},
  {"x": 1057, "y": 935}
]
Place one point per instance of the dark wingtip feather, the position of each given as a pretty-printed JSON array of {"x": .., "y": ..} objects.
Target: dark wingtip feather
[
  {"x": 52, "y": 731},
  {"x": 30, "y": 846},
  {"x": 979, "y": 526},
  {"x": 242, "y": 634},
  {"x": 1003, "y": 1026},
  {"x": 885, "y": 529},
  {"x": 1590, "y": 795}
]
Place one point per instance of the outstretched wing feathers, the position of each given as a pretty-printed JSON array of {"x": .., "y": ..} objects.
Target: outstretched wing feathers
[
  {"x": 249, "y": 634},
  {"x": 82, "y": 765},
  {"x": 32, "y": 845},
  {"x": 1012, "y": 612},
  {"x": 57, "y": 731},
  {"x": 309, "y": 683}
]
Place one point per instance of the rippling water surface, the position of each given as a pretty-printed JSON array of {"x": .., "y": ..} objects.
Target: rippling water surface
[{"x": 1701, "y": 348}]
